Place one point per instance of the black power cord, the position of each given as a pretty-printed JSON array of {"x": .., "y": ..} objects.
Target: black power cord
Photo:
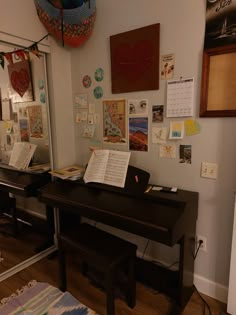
[
  {"x": 205, "y": 304},
  {"x": 200, "y": 242}
]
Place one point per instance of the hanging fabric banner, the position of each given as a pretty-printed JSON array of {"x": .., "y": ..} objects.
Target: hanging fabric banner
[
  {"x": 9, "y": 58},
  {"x": 2, "y": 62},
  {"x": 20, "y": 54}
]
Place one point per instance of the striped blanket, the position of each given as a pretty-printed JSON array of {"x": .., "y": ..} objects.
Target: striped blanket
[{"x": 39, "y": 298}]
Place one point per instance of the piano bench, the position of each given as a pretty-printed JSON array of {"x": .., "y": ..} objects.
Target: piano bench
[{"x": 107, "y": 253}]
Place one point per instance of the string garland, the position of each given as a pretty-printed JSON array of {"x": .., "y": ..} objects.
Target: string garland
[{"x": 22, "y": 53}]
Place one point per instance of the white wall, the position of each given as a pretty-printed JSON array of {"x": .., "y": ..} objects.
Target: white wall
[
  {"x": 182, "y": 25},
  {"x": 182, "y": 33}
]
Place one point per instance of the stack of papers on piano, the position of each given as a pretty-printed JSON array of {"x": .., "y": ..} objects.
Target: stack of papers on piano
[
  {"x": 72, "y": 172},
  {"x": 21, "y": 154}
]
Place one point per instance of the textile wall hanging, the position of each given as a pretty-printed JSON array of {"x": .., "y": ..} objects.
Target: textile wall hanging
[
  {"x": 69, "y": 21},
  {"x": 20, "y": 89}
]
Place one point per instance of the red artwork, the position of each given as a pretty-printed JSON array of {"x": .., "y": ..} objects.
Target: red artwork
[
  {"x": 135, "y": 60},
  {"x": 20, "y": 78}
]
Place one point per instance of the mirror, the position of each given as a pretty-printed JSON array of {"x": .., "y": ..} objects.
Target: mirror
[
  {"x": 218, "y": 98},
  {"x": 24, "y": 114}
]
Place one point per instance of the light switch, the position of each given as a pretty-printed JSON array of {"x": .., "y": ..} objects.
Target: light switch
[{"x": 209, "y": 170}]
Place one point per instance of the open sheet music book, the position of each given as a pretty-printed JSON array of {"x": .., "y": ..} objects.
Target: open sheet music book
[
  {"x": 107, "y": 167},
  {"x": 22, "y": 154}
]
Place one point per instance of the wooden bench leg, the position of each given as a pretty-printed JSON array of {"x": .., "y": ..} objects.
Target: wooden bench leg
[
  {"x": 131, "y": 288},
  {"x": 110, "y": 293},
  {"x": 62, "y": 268}
]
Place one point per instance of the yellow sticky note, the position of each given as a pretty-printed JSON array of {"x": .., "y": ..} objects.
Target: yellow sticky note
[{"x": 192, "y": 127}]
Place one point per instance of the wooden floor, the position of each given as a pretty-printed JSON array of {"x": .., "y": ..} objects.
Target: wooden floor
[{"x": 148, "y": 301}]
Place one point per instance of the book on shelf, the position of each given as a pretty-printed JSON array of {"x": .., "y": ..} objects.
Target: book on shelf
[
  {"x": 72, "y": 172},
  {"x": 107, "y": 167},
  {"x": 21, "y": 155}
]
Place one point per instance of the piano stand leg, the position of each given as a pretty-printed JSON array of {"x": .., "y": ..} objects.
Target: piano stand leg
[{"x": 175, "y": 309}]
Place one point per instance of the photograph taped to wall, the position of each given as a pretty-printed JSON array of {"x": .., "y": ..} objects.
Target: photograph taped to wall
[
  {"x": 168, "y": 151},
  {"x": 176, "y": 130},
  {"x": 157, "y": 113},
  {"x": 138, "y": 107},
  {"x": 24, "y": 130},
  {"x": 159, "y": 134},
  {"x": 185, "y": 153},
  {"x": 114, "y": 121},
  {"x": 138, "y": 134},
  {"x": 167, "y": 66}
]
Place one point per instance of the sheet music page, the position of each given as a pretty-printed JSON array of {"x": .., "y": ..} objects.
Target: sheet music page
[
  {"x": 116, "y": 168},
  {"x": 107, "y": 167},
  {"x": 21, "y": 154},
  {"x": 95, "y": 171}
]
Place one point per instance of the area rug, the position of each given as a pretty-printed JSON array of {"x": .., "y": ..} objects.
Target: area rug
[{"x": 38, "y": 298}]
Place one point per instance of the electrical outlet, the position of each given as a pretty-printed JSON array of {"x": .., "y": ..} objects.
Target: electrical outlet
[
  {"x": 203, "y": 246},
  {"x": 209, "y": 170}
]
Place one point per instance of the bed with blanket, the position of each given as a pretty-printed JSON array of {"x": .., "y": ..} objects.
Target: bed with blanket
[{"x": 38, "y": 298}]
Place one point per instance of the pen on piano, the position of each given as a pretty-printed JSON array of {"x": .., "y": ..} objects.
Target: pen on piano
[{"x": 148, "y": 189}]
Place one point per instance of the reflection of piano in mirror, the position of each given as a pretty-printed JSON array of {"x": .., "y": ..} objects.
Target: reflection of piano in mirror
[
  {"x": 13, "y": 222},
  {"x": 168, "y": 218}
]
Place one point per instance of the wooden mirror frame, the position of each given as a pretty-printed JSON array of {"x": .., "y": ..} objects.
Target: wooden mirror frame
[{"x": 218, "y": 99}]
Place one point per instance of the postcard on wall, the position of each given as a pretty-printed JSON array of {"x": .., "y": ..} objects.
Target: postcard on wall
[
  {"x": 167, "y": 66},
  {"x": 185, "y": 154},
  {"x": 81, "y": 100},
  {"x": 114, "y": 121},
  {"x": 91, "y": 108},
  {"x": 90, "y": 119},
  {"x": 138, "y": 134},
  {"x": 22, "y": 112},
  {"x": 35, "y": 121},
  {"x": 176, "y": 130},
  {"x": 180, "y": 98},
  {"x": 157, "y": 113},
  {"x": 88, "y": 131},
  {"x": 159, "y": 135},
  {"x": 168, "y": 151},
  {"x": 138, "y": 107},
  {"x": 78, "y": 117},
  {"x": 24, "y": 130}
]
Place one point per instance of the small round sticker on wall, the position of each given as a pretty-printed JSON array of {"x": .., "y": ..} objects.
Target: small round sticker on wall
[
  {"x": 99, "y": 74},
  {"x": 98, "y": 92},
  {"x": 41, "y": 84},
  {"x": 87, "y": 81}
]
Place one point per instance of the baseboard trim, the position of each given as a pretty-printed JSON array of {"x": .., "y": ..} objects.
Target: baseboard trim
[{"x": 210, "y": 288}]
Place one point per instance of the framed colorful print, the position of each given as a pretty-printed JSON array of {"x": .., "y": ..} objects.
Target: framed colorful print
[
  {"x": 20, "y": 82},
  {"x": 135, "y": 59}
]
